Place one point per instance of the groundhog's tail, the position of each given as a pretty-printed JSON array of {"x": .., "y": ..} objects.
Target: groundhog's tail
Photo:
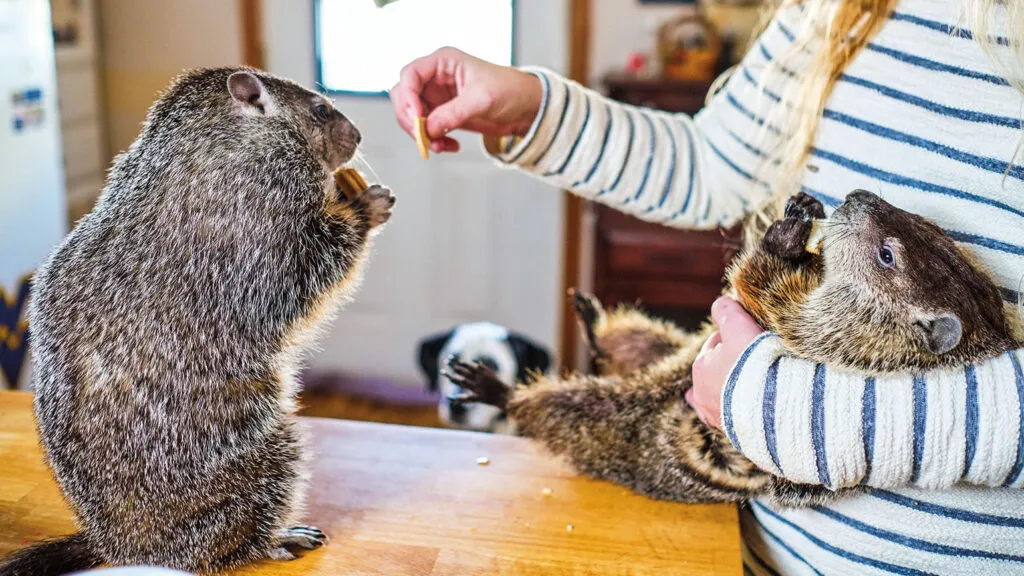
[{"x": 51, "y": 558}]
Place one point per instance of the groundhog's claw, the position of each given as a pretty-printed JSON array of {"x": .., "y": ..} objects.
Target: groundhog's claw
[
  {"x": 803, "y": 206},
  {"x": 480, "y": 383},
  {"x": 588, "y": 312},
  {"x": 377, "y": 202},
  {"x": 588, "y": 308},
  {"x": 305, "y": 537}
]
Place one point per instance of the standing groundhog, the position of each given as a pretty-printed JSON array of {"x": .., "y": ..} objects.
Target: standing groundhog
[
  {"x": 169, "y": 325},
  {"x": 890, "y": 291}
]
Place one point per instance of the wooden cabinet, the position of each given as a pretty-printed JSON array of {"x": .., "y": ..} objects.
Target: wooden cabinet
[{"x": 675, "y": 274}]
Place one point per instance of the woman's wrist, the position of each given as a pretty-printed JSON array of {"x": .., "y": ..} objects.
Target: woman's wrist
[{"x": 532, "y": 91}]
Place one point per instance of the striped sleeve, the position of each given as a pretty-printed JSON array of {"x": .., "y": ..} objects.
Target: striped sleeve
[
  {"x": 657, "y": 166},
  {"x": 811, "y": 424}
]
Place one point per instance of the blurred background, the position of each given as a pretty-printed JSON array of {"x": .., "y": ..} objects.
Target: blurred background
[{"x": 467, "y": 242}]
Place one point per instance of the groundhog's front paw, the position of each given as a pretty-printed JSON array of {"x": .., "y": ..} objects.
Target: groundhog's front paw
[
  {"x": 305, "y": 537},
  {"x": 479, "y": 382},
  {"x": 376, "y": 203},
  {"x": 787, "y": 238}
]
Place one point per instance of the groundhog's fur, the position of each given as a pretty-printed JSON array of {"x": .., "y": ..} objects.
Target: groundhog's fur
[
  {"x": 168, "y": 328},
  {"x": 631, "y": 424}
]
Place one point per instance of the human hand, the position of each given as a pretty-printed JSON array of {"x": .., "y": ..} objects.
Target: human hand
[
  {"x": 736, "y": 331},
  {"x": 457, "y": 91}
]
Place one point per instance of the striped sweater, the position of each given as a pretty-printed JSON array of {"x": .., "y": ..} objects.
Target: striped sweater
[{"x": 920, "y": 117}]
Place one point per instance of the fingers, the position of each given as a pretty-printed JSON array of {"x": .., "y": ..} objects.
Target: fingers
[
  {"x": 713, "y": 341},
  {"x": 407, "y": 96},
  {"x": 734, "y": 323},
  {"x": 692, "y": 401},
  {"x": 413, "y": 80},
  {"x": 400, "y": 98},
  {"x": 452, "y": 115},
  {"x": 445, "y": 144}
]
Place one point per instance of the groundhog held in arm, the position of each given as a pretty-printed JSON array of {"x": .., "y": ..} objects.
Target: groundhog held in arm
[
  {"x": 169, "y": 326},
  {"x": 890, "y": 291}
]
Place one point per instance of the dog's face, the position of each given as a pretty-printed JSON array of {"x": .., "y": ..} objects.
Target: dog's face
[{"x": 511, "y": 357}]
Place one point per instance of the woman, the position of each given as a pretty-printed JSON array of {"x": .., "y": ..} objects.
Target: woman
[{"x": 919, "y": 100}]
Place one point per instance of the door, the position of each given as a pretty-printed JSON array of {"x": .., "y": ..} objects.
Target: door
[{"x": 467, "y": 241}]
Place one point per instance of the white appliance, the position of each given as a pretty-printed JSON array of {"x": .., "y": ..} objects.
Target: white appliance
[{"x": 33, "y": 216}]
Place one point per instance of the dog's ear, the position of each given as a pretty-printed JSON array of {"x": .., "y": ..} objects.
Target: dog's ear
[
  {"x": 430, "y": 350},
  {"x": 531, "y": 356}
]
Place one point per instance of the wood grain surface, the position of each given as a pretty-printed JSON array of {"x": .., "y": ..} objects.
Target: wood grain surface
[{"x": 414, "y": 501}]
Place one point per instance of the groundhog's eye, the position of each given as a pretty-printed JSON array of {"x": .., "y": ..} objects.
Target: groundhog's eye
[
  {"x": 886, "y": 257},
  {"x": 322, "y": 112}
]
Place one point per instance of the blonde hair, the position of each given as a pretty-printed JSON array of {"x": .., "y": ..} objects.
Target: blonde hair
[{"x": 832, "y": 34}]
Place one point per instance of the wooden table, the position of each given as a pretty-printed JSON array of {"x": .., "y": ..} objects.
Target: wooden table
[{"x": 412, "y": 501}]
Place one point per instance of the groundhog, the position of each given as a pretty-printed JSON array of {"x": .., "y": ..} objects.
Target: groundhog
[
  {"x": 889, "y": 291},
  {"x": 169, "y": 325}
]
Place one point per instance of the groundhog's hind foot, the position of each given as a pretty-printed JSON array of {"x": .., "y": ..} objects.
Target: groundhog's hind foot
[
  {"x": 480, "y": 383},
  {"x": 305, "y": 537},
  {"x": 588, "y": 312},
  {"x": 281, "y": 555}
]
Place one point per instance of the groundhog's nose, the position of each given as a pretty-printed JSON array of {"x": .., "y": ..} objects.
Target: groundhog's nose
[
  {"x": 352, "y": 133},
  {"x": 862, "y": 197}
]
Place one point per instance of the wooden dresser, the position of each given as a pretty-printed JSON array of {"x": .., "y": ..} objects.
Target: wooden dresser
[{"x": 675, "y": 274}]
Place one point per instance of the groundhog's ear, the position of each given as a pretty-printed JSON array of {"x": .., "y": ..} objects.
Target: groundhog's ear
[
  {"x": 248, "y": 91},
  {"x": 941, "y": 333}
]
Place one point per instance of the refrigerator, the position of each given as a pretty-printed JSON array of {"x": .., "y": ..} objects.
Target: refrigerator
[{"x": 33, "y": 214}]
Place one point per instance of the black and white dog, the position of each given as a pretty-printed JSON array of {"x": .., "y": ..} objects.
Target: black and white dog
[{"x": 510, "y": 355}]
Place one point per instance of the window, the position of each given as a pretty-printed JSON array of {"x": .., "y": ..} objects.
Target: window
[{"x": 362, "y": 48}]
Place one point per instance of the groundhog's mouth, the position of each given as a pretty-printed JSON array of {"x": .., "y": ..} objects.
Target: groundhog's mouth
[{"x": 341, "y": 155}]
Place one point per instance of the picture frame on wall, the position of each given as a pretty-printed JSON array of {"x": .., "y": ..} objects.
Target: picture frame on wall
[
  {"x": 72, "y": 30},
  {"x": 67, "y": 22}
]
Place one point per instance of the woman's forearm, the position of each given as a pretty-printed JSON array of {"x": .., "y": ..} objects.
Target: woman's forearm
[
  {"x": 812, "y": 424},
  {"x": 654, "y": 165}
]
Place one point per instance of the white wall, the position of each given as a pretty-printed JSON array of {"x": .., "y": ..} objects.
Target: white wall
[{"x": 148, "y": 42}]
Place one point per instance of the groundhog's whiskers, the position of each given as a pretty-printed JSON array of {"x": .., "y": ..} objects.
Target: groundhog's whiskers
[
  {"x": 835, "y": 232},
  {"x": 360, "y": 163}
]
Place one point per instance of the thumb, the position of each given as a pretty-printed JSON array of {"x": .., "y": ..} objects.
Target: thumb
[
  {"x": 451, "y": 115},
  {"x": 733, "y": 321}
]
